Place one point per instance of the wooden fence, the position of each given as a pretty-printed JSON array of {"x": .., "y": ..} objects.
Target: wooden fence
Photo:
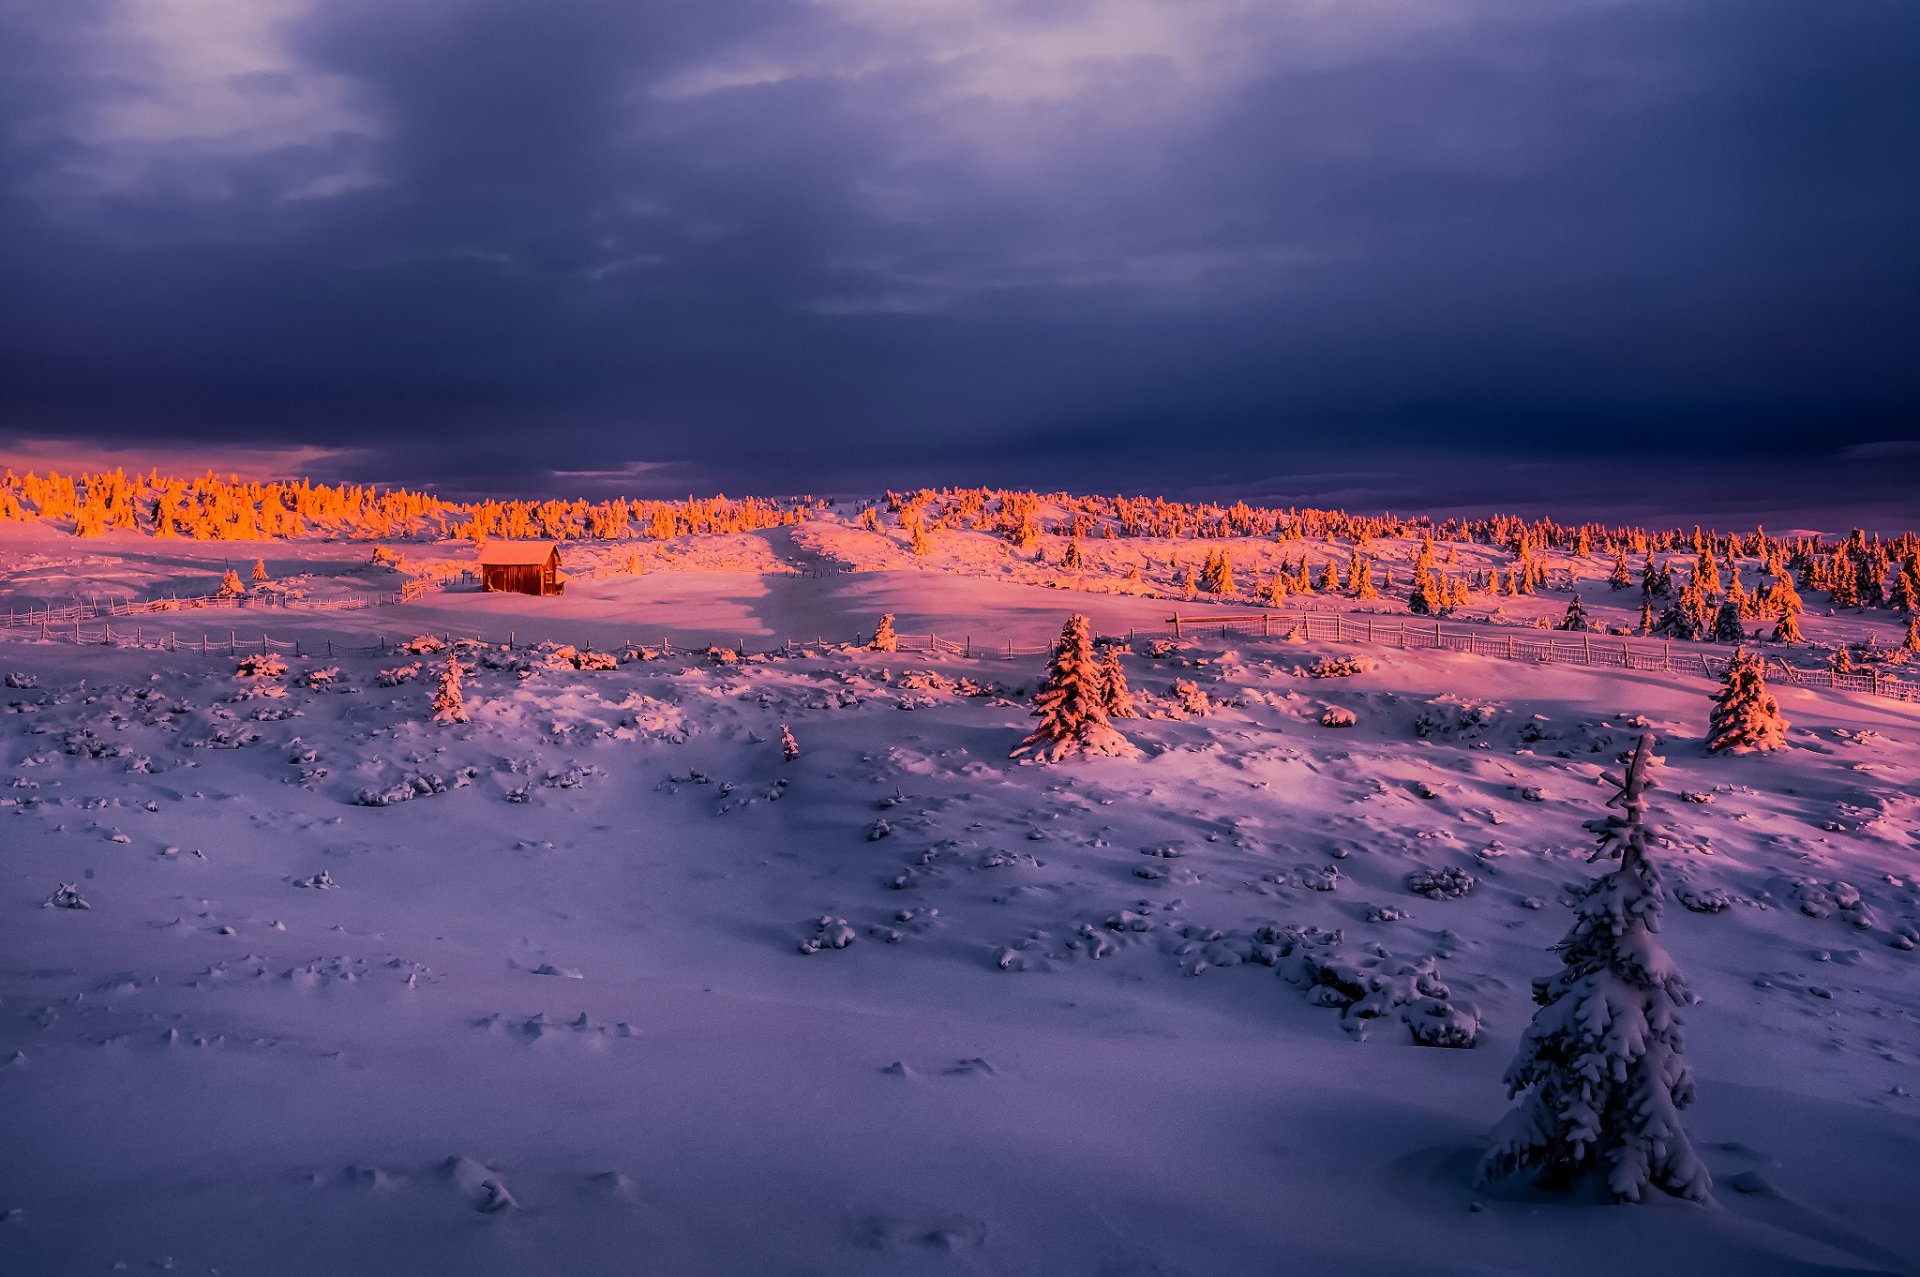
[{"x": 1589, "y": 650}]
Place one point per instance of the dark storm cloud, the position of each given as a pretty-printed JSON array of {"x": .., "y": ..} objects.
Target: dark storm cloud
[{"x": 1116, "y": 243}]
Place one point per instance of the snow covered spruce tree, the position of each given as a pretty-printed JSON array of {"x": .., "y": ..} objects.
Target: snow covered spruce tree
[
  {"x": 1745, "y": 715},
  {"x": 789, "y": 747},
  {"x": 260, "y": 570},
  {"x": 1576, "y": 617},
  {"x": 1727, "y": 625},
  {"x": 884, "y": 639},
  {"x": 1601, "y": 1065},
  {"x": 448, "y": 705},
  {"x": 1072, "y": 704}
]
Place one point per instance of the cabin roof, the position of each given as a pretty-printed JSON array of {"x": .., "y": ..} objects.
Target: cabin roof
[{"x": 516, "y": 553}]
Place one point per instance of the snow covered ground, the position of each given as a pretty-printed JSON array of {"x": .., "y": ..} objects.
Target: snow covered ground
[{"x": 598, "y": 982}]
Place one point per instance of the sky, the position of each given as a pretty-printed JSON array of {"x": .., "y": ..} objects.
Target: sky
[{"x": 1437, "y": 254}]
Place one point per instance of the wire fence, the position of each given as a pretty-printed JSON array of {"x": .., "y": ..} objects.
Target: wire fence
[{"x": 1589, "y": 650}]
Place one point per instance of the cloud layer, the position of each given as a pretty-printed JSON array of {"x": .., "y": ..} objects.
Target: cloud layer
[{"x": 1136, "y": 243}]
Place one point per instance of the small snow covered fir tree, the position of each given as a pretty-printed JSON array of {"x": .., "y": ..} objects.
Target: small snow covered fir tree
[
  {"x": 1911, "y": 644},
  {"x": 1622, "y": 575},
  {"x": 230, "y": 584},
  {"x": 884, "y": 639},
  {"x": 789, "y": 747},
  {"x": 1601, "y": 1067},
  {"x": 1727, "y": 626},
  {"x": 448, "y": 705},
  {"x": 1072, "y": 704},
  {"x": 1072, "y": 560},
  {"x": 259, "y": 570},
  {"x": 1576, "y": 617},
  {"x": 1745, "y": 715},
  {"x": 1118, "y": 696}
]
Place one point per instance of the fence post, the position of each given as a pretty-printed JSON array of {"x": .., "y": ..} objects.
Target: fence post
[
  {"x": 1266, "y": 627},
  {"x": 1509, "y": 647},
  {"x": 233, "y": 643},
  {"x": 1587, "y": 646},
  {"x": 1369, "y": 629},
  {"x": 1436, "y": 635},
  {"x": 329, "y": 647},
  {"x": 1176, "y": 625},
  {"x": 1666, "y": 655},
  {"x": 1337, "y": 636},
  {"x": 1626, "y": 656},
  {"x": 969, "y": 647}
]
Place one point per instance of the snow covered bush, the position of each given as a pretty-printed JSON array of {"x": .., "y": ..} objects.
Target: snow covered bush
[
  {"x": 25, "y": 682},
  {"x": 1745, "y": 717},
  {"x": 423, "y": 645},
  {"x": 260, "y": 665},
  {"x": 1601, "y": 1066},
  {"x": 1072, "y": 704},
  {"x": 1451, "y": 883},
  {"x": 398, "y": 674},
  {"x": 67, "y": 897},
  {"x": 1188, "y": 700},
  {"x": 1336, "y": 667},
  {"x": 828, "y": 933},
  {"x": 231, "y": 586},
  {"x": 884, "y": 639},
  {"x": 1335, "y": 716},
  {"x": 789, "y": 747}
]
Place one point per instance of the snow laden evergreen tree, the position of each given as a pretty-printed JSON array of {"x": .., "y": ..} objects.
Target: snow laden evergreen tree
[
  {"x": 1217, "y": 576},
  {"x": 1745, "y": 717},
  {"x": 1071, "y": 560},
  {"x": 789, "y": 747},
  {"x": 1727, "y": 626},
  {"x": 1622, "y": 576},
  {"x": 1072, "y": 704},
  {"x": 259, "y": 570},
  {"x": 1576, "y": 617},
  {"x": 448, "y": 704},
  {"x": 1114, "y": 690},
  {"x": 230, "y": 584},
  {"x": 1601, "y": 1066},
  {"x": 1911, "y": 644},
  {"x": 1423, "y": 599},
  {"x": 884, "y": 639},
  {"x": 1783, "y": 603}
]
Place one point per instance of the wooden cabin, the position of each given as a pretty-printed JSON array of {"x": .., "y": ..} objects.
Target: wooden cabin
[{"x": 521, "y": 567}]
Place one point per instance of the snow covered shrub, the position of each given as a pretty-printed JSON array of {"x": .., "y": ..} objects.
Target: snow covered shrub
[
  {"x": 231, "y": 586},
  {"x": 423, "y": 645},
  {"x": 1072, "y": 704},
  {"x": 828, "y": 933},
  {"x": 320, "y": 679},
  {"x": 448, "y": 705},
  {"x": 260, "y": 665},
  {"x": 1745, "y": 715},
  {"x": 67, "y": 897},
  {"x": 717, "y": 655},
  {"x": 1450, "y": 716},
  {"x": 789, "y": 747},
  {"x": 398, "y": 674},
  {"x": 1335, "y": 716},
  {"x": 1451, "y": 883},
  {"x": 25, "y": 682},
  {"x": 1601, "y": 1066},
  {"x": 1189, "y": 700},
  {"x": 1336, "y": 667},
  {"x": 1161, "y": 649},
  {"x": 884, "y": 639},
  {"x": 1442, "y": 1024}
]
